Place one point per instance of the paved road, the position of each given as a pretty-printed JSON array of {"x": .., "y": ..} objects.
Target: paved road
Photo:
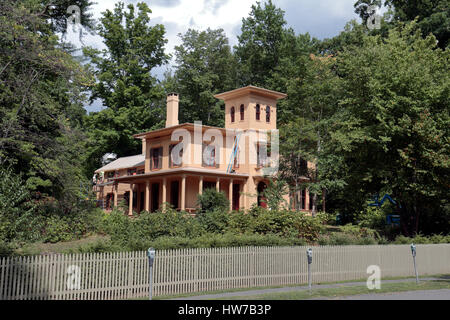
[
  {"x": 289, "y": 289},
  {"x": 442, "y": 294}
]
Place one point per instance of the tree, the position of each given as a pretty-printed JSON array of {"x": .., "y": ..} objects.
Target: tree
[
  {"x": 133, "y": 97},
  {"x": 392, "y": 127},
  {"x": 313, "y": 100},
  {"x": 205, "y": 67},
  {"x": 433, "y": 16},
  {"x": 42, "y": 91},
  {"x": 260, "y": 46}
]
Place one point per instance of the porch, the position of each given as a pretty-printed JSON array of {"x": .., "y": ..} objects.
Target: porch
[{"x": 180, "y": 189}]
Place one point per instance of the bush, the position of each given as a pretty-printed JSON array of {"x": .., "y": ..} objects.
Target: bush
[
  {"x": 16, "y": 209},
  {"x": 212, "y": 200},
  {"x": 209, "y": 240},
  {"x": 215, "y": 221}
]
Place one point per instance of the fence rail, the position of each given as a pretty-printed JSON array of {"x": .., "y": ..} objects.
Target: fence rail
[{"x": 109, "y": 276}]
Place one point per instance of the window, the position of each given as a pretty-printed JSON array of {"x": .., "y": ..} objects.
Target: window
[
  {"x": 258, "y": 112},
  {"x": 232, "y": 114},
  {"x": 267, "y": 114},
  {"x": 156, "y": 158},
  {"x": 209, "y": 155},
  {"x": 131, "y": 172},
  {"x": 242, "y": 112},
  {"x": 175, "y": 163}
]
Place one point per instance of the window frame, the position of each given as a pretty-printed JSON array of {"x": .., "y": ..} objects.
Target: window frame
[{"x": 159, "y": 157}]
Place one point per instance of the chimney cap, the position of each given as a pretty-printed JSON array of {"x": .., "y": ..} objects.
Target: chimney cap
[{"x": 172, "y": 94}]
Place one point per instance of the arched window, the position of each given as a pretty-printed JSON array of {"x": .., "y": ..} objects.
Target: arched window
[
  {"x": 242, "y": 112},
  {"x": 258, "y": 112},
  {"x": 232, "y": 114},
  {"x": 267, "y": 114}
]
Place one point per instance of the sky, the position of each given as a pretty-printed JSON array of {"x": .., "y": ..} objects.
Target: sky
[{"x": 320, "y": 18}]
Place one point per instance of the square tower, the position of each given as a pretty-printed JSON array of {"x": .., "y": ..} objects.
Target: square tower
[{"x": 251, "y": 108}]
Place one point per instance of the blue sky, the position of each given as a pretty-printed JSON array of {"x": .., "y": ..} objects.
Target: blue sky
[{"x": 320, "y": 18}]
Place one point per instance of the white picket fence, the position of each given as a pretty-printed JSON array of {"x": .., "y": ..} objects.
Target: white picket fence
[{"x": 109, "y": 276}]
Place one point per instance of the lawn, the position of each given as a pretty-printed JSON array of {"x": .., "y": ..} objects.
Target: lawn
[{"x": 347, "y": 291}]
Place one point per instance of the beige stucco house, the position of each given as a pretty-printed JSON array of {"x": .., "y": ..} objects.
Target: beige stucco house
[{"x": 179, "y": 161}]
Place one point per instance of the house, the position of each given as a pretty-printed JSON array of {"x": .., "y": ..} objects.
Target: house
[{"x": 179, "y": 161}]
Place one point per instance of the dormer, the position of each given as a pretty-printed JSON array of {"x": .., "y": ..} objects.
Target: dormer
[{"x": 251, "y": 108}]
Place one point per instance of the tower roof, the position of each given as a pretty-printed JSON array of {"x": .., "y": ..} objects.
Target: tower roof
[{"x": 248, "y": 90}]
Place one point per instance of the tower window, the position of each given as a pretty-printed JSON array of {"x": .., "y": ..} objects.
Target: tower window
[
  {"x": 258, "y": 112},
  {"x": 232, "y": 114},
  {"x": 242, "y": 112},
  {"x": 267, "y": 114}
]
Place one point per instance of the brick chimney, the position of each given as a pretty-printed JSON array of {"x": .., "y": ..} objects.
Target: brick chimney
[{"x": 172, "y": 110}]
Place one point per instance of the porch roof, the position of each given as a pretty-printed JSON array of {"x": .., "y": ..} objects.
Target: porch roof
[{"x": 177, "y": 172}]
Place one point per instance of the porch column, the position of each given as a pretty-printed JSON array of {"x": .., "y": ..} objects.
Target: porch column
[
  {"x": 183, "y": 193},
  {"x": 218, "y": 184},
  {"x": 230, "y": 194},
  {"x": 200, "y": 186},
  {"x": 115, "y": 193},
  {"x": 164, "y": 192},
  {"x": 147, "y": 196},
  {"x": 130, "y": 207}
]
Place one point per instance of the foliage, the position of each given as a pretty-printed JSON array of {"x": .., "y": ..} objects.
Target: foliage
[
  {"x": 133, "y": 98},
  {"x": 205, "y": 66},
  {"x": 274, "y": 194},
  {"x": 16, "y": 211},
  {"x": 433, "y": 17},
  {"x": 211, "y": 200},
  {"x": 215, "y": 221},
  {"x": 393, "y": 118},
  {"x": 41, "y": 97},
  {"x": 260, "y": 46}
]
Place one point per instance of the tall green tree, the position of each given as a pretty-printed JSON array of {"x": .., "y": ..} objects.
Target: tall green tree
[
  {"x": 41, "y": 99},
  {"x": 393, "y": 123},
  {"x": 132, "y": 96},
  {"x": 261, "y": 43},
  {"x": 205, "y": 66},
  {"x": 433, "y": 16}
]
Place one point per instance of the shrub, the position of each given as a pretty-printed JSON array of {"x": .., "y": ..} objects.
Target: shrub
[
  {"x": 308, "y": 227},
  {"x": 214, "y": 221},
  {"x": 212, "y": 200},
  {"x": 16, "y": 209}
]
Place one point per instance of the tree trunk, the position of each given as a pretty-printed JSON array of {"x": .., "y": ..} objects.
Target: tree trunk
[{"x": 323, "y": 200}]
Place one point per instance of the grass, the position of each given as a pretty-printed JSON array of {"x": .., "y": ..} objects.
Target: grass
[
  {"x": 59, "y": 247},
  {"x": 347, "y": 291},
  {"x": 195, "y": 294}
]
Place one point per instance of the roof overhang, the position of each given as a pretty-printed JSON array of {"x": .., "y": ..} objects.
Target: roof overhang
[
  {"x": 180, "y": 171},
  {"x": 249, "y": 90},
  {"x": 168, "y": 131}
]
